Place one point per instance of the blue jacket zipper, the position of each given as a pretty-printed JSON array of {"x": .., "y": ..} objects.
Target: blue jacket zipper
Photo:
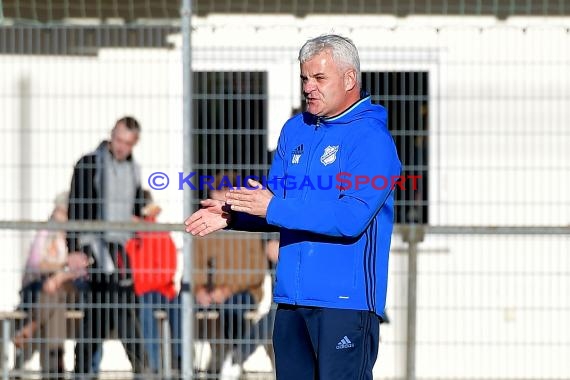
[{"x": 312, "y": 148}]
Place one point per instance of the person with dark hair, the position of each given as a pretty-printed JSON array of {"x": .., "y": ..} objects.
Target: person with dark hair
[
  {"x": 332, "y": 271},
  {"x": 106, "y": 186}
]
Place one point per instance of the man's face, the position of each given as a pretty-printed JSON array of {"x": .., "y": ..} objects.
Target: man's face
[
  {"x": 325, "y": 85},
  {"x": 123, "y": 141}
]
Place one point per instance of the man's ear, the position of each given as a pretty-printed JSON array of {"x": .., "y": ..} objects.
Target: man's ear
[{"x": 349, "y": 79}]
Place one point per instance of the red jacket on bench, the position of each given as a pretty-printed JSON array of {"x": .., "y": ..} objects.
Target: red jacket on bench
[{"x": 153, "y": 260}]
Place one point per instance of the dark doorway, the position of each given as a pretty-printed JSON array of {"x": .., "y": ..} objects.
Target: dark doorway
[
  {"x": 229, "y": 124},
  {"x": 406, "y": 97}
]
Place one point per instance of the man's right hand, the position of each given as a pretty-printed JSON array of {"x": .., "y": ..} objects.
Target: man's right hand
[
  {"x": 212, "y": 217},
  {"x": 77, "y": 263}
]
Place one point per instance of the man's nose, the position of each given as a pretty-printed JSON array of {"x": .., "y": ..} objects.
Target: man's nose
[{"x": 308, "y": 87}]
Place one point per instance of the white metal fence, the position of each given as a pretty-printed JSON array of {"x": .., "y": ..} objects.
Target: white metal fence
[{"x": 478, "y": 107}]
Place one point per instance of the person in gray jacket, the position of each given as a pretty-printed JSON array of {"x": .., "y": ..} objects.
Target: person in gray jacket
[{"x": 106, "y": 186}]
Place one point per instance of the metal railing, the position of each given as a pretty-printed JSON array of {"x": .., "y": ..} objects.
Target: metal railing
[{"x": 412, "y": 235}]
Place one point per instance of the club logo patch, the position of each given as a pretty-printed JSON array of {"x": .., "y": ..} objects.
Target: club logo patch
[{"x": 329, "y": 155}]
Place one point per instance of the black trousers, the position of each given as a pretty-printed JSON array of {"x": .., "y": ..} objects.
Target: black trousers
[
  {"x": 325, "y": 344},
  {"x": 108, "y": 306}
]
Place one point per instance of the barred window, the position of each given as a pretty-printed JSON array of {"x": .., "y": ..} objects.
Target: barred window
[
  {"x": 230, "y": 123},
  {"x": 405, "y": 96}
]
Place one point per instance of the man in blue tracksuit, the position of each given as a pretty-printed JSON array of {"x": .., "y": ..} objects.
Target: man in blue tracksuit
[{"x": 330, "y": 196}]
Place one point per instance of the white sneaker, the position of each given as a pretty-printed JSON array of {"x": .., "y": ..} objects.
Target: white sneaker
[{"x": 231, "y": 371}]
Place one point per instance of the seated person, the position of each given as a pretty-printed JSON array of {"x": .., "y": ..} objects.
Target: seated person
[
  {"x": 261, "y": 333},
  {"x": 229, "y": 270},
  {"x": 153, "y": 259},
  {"x": 47, "y": 285}
]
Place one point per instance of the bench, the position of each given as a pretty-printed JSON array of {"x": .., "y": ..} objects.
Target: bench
[{"x": 8, "y": 318}]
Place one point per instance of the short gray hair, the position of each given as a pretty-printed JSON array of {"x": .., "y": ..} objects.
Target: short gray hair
[{"x": 342, "y": 49}]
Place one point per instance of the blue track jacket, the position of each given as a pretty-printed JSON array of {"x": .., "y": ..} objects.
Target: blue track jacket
[{"x": 335, "y": 234}]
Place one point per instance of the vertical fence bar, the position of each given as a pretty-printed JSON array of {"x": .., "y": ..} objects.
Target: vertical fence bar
[
  {"x": 412, "y": 234},
  {"x": 5, "y": 347},
  {"x": 166, "y": 339},
  {"x": 187, "y": 301}
]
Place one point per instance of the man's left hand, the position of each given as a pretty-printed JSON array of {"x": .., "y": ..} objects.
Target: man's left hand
[
  {"x": 253, "y": 200},
  {"x": 220, "y": 294}
]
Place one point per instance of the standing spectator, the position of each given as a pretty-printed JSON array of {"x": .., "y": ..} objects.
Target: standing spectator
[{"x": 106, "y": 187}]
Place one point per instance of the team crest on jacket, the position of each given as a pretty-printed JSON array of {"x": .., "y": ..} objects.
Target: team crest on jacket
[{"x": 329, "y": 156}]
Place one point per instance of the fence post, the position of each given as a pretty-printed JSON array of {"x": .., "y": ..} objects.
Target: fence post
[
  {"x": 412, "y": 234},
  {"x": 5, "y": 347},
  {"x": 188, "y": 156}
]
